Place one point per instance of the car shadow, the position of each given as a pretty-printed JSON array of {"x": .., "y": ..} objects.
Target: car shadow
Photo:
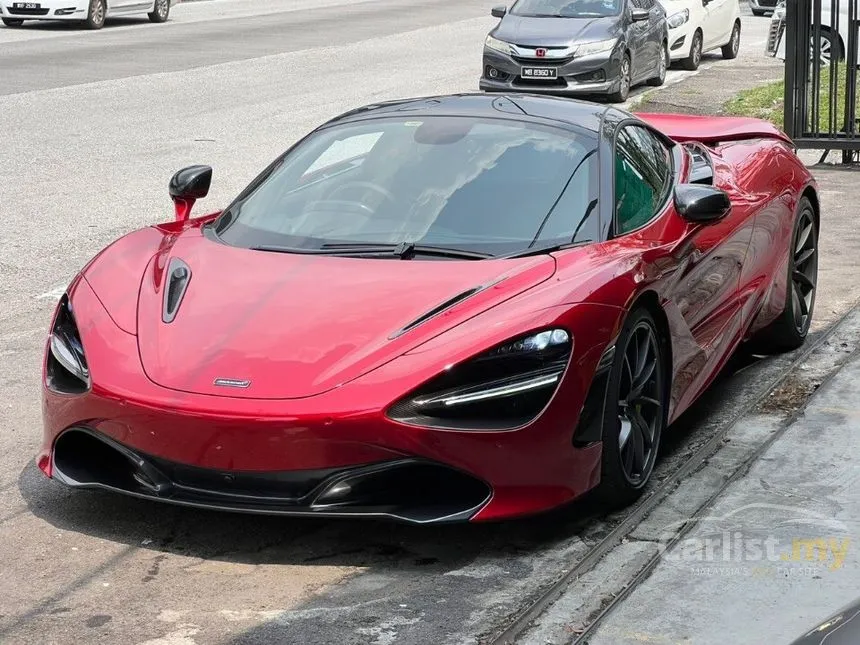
[
  {"x": 71, "y": 26},
  {"x": 256, "y": 539}
]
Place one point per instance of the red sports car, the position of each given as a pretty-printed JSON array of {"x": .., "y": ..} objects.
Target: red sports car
[{"x": 464, "y": 307}]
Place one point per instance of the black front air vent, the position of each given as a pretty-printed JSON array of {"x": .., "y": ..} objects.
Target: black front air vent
[
  {"x": 178, "y": 277},
  {"x": 460, "y": 297}
]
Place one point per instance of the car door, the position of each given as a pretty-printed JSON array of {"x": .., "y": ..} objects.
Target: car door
[
  {"x": 130, "y": 6},
  {"x": 703, "y": 263},
  {"x": 640, "y": 48},
  {"x": 717, "y": 24}
]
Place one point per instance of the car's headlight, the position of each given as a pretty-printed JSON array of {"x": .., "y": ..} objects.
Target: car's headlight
[
  {"x": 678, "y": 19},
  {"x": 503, "y": 388},
  {"x": 67, "y": 369},
  {"x": 597, "y": 47},
  {"x": 498, "y": 45}
]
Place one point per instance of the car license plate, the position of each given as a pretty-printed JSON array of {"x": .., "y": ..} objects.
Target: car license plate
[
  {"x": 26, "y": 5},
  {"x": 539, "y": 72}
]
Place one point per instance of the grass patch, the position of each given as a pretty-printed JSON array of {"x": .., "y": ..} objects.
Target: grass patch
[{"x": 767, "y": 101}]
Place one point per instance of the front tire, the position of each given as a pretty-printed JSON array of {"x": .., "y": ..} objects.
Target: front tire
[
  {"x": 789, "y": 330},
  {"x": 624, "y": 79},
  {"x": 161, "y": 11},
  {"x": 662, "y": 66},
  {"x": 13, "y": 22},
  {"x": 730, "y": 49},
  {"x": 96, "y": 15},
  {"x": 635, "y": 411},
  {"x": 691, "y": 62}
]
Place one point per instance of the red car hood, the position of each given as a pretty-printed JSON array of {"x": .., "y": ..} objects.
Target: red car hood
[{"x": 299, "y": 325}]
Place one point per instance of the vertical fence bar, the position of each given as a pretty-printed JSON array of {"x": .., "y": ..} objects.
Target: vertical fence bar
[
  {"x": 815, "y": 60},
  {"x": 850, "y": 121},
  {"x": 790, "y": 120}
]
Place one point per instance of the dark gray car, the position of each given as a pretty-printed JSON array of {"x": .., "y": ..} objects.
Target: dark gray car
[{"x": 575, "y": 47}]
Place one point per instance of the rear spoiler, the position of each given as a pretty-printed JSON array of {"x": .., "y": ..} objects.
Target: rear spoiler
[{"x": 713, "y": 129}]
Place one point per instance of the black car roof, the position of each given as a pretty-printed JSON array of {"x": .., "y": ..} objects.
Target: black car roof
[{"x": 581, "y": 114}]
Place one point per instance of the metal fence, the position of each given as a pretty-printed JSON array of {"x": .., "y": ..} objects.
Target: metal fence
[{"x": 821, "y": 59}]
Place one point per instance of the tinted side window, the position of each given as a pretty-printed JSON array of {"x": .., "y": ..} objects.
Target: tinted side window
[{"x": 643, "y": 175}]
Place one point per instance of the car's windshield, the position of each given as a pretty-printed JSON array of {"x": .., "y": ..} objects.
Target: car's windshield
[
  {"x": 489, "y": 186},
  {"x": 567, "y": 8}
]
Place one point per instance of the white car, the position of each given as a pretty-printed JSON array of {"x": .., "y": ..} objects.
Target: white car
[
  {"x": 833, "y": 33},
  {"x": 90, "y": 12},
  {"x": 699, "y": 26}
]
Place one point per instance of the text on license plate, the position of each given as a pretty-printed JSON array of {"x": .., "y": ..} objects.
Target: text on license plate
[
  {"x": 26, "y": 5},
  {"x": 539, "y": 72}
]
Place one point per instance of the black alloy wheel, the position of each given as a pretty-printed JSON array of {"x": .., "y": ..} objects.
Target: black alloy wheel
[
  {"x": 789, "y": 330},
  {"x": 635, "y": 412},
  {"x": 804, "y": 271}
]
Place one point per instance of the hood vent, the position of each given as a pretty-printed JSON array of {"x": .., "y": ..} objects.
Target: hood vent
[
  {"x": 460, "y": 297},
  {"x": 178, "y": 277}
]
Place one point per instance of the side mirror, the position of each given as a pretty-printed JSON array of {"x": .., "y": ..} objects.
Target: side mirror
[
  {"x": 701, "y": 204},
  {"x": 499, "y": 12},
  {"x": 187, "y": 186},
  {"x": 640, "y": 15}
]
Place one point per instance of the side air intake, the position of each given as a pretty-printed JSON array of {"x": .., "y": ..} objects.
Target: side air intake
[{"x": 178, "y": 277}]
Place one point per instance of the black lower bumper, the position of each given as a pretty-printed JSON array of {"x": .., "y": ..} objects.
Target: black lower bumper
[{"x": 409, "y": 490}]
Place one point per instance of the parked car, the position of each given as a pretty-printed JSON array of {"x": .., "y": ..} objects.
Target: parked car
[
  {"x": 437, "y": 309},
  {"x": 762, "y": 7},
  {"x": 699, "y": 26},
  {"x": 576, "y": 47},
  {"x": 92, "y": 13},
  {"x": 833, "y": 33}
]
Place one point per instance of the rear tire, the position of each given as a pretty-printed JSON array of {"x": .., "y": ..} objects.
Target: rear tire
[
  {"x": 691, "y": 62},
  {"x": 789, "y": 330},
  {"x": 624, "y": 82},
  {"x": 96, "y": 15},
  {"x": 161, "y": 11},
  {"x": 13, "y": 22},
  {"x": 662, "y": 67},
  {"x": 730, "y": 49},
  {"x": 634, "y": 415}
]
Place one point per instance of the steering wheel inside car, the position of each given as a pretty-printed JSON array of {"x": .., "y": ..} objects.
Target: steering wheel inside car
[{"x": 367, "y": 185}]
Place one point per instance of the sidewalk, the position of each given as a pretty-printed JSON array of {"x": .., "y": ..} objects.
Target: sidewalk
[{"x": 776, "y": 553}]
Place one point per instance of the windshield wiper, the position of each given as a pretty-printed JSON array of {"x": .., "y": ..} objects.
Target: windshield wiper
[
  {"x": 549, "y": 248},
  {"x": 405, "y": 250}
]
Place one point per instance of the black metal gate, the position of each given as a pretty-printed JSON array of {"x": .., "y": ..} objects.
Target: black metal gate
[{"x": 821, "y": 57}]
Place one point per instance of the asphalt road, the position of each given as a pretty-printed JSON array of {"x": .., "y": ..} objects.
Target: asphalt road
[{"x": 92, "y": 124}]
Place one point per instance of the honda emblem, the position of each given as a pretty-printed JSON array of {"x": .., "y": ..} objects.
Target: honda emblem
[{"x": 540, "y": 52}]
